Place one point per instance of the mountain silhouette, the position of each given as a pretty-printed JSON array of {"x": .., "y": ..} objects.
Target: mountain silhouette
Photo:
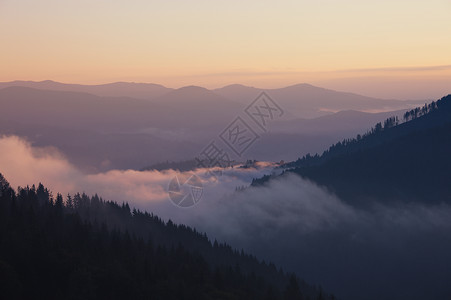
[
  {"x": 116, "y": 89},
  {"x": 393, "y": 162}
]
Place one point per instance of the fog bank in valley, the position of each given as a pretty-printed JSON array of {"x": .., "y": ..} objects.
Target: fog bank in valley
[{"x": 389, "y": 252}]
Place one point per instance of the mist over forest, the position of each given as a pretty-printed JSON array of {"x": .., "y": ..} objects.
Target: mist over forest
[{"x": 222, "y": 150}]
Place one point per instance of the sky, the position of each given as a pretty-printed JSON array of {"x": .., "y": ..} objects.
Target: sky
[{"x": 266, "y": 44}]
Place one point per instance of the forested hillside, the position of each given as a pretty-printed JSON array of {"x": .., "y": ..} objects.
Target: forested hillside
[
  {"x": 395, "y": 161},
  {"x": 84, "y": 247}
]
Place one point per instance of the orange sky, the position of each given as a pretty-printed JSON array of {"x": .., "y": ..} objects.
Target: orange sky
[{"x": 214, "y": 43}]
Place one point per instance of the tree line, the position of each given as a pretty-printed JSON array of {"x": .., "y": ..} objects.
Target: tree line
[{"x": 81, "y": 247}]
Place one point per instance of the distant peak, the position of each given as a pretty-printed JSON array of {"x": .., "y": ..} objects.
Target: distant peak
[
  {"x": 305, "y": 85},
  {"x": 191, "y": 88},
  {"x": 132, "y": 83},
  {"x": 237, "y": 85}
]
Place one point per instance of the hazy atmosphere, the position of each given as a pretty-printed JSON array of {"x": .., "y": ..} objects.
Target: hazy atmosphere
[{"x": 290, "y": 150}]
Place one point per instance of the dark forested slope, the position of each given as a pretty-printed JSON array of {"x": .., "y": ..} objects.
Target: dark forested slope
[
  {"x": 395, "y": 161},
  {"x": 85, "y": 248}
]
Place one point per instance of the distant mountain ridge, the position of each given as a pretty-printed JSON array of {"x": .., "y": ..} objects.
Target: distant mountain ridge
[
  {"x": 306, "y": 101},
  {"x": 300, "y": 100},
  {"x": 93, "y": 124},
  {"x": 116, "y": 89}
]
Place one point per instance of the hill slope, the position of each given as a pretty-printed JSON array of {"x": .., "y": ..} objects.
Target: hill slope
[
  {"x": 405, "y": 162},
  {"x": 86, "y": 248}
]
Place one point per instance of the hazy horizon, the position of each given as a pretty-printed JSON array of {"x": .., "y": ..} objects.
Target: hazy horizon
[
  {"x": 382, "y": 49},
  {"x": 360, "y": 85}
]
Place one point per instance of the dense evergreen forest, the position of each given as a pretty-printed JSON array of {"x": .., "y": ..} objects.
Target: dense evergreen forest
[
  {"x": 394, "y": 161},
  {"x": 81, "y": 247}
]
